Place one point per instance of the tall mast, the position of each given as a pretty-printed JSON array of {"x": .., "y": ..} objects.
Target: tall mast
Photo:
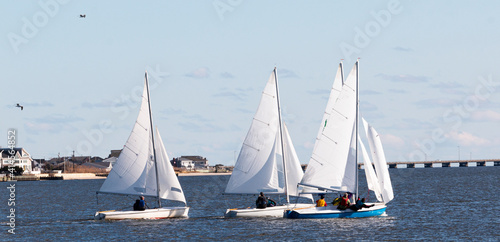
[
  {"x": 281, "y": 136},
  {"x": 342, "y": 72},
  {"x": 357, "y": 117},
  {"x": 153, "y": 141}
]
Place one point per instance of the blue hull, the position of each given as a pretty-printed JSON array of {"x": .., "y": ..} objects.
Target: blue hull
[{"x": 336, "y": 214}]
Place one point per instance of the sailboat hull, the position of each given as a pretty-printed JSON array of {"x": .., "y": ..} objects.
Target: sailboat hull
[
  {"x": 156, "y": 213},
  {"x": 333, "y": 212},
  {"x": 276, "y": 211}
]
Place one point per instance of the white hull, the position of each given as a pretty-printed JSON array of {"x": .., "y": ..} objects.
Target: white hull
[
  {"x": 276, "y": 211},
  {"x": 156, "y": 213}
]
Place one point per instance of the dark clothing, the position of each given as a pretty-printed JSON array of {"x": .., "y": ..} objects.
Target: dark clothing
[
  {"x": 270, "y": 202},
  {"x": 140, "y": 205},
  {"x": 261, "y": 202},
  {"x": 359, "y": 205}
]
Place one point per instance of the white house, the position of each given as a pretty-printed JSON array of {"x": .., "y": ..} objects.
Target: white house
[{"x": 21, "y": 158}]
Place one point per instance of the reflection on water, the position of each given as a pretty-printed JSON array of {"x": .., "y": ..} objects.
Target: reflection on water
[{"x": 436, "y": 203}]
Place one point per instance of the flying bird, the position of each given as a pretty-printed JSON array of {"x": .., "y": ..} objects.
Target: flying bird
[
  {"x": 82, "y": 15},
  {"x": 19, "y": 106}
]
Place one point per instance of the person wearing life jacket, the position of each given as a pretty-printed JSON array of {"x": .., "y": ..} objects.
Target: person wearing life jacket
[
  {"x": 344, "y": 203},
  {"x": 261, "y": 201},
  {"x": 337, "y": 200},
  {"x": 360, "y": 203},
  {"x": 140, "y": 204},
  {"x": 321, "y": 202},
  {"x": 271, "y": 202}
]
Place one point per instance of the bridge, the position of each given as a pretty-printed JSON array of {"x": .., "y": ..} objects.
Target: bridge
[{"x": 441, "y": 163}]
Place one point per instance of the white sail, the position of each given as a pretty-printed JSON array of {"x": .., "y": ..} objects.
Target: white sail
[
  {"x": 169, "y": 185},
  {"x": 378, "y": 157},
  {"x": 256, "y": 169},
  {"x": 133, "y": 172},
  {"x": 334, "y": 94},
  {"x": 328, "y": 166},
  {"x": 371, "y": 177}
]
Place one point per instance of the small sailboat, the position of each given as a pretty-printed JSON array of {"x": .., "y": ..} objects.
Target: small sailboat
[
  {"x": 333, "y": 167},
  {"x": 143, "y": 169},
  {"x": 267, "y": 161}
]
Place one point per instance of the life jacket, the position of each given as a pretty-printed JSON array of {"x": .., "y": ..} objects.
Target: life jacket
[
  {"x": 321, "y": 203},
  {"x": 344, "y": 203},
  {"x": 271, "y": 203},
  {"x": 142, "y": 205},
  {"x": 336, "y": 201}
]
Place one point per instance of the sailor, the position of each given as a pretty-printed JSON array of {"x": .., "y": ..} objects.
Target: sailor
[
  {"x": 344, "y": 203},
  {"x": 140, "y": 204},
  {"x": 321, "y": 202},
  {"x": 360, "y": 204},
  {"x": 261, "y": 201}
]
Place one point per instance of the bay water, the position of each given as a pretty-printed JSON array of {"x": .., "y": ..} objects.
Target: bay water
[{"x": 457, "y": 203}]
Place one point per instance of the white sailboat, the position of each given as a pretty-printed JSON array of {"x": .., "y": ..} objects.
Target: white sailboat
[
  {"x": 143, "y": 169},
  {"x": 333, "y": 164},
  {"x": 267, "y": 161}
]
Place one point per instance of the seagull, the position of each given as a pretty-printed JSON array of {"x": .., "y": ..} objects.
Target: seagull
[
  {"x": 82, "y": 15},
  {"x": 19, "y": 106}
]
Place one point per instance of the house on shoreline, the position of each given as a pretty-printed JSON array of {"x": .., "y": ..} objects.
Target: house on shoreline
[{"x": 22, "y": 158}]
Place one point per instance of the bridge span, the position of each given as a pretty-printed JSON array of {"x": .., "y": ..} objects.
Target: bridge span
[{"x": 441, "y": 163}]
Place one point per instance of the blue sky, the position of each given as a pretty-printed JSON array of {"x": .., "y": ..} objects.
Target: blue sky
[{"x": 428, "y": 72}]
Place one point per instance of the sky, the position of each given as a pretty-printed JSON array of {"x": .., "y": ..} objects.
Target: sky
[{"x": 429, "y": 76}]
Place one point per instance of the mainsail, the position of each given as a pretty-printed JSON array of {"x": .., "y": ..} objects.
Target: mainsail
[
  {"x": 330, "y": 167},
  {"x": 134, "y": 171},
  {"x": 256, "y": 167},
  {"x": 260, "y": 167}
]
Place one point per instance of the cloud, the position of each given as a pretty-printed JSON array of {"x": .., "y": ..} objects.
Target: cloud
[
  {"x": 466, "y": 139},
  {"x": 486, "y": 116},
  {"x": 226, "y": 75},
  {"x": 100, "y": 104},
  {"x": 436, "y": 102},
  {"x": 370, "y": 92},
  {"x": 239, "y": 94},
  {"x": 285, "y": 73},
  {"x": 31, "y": 105},
  {"x": 392, "y": 140},
  {"x": 400, "y": 91},
  {"x": 202, "y": 72},
  {"x": 399, "y": 48},
  {"x": 51, "y": 124},
  {"x": 404, "y": 78}
]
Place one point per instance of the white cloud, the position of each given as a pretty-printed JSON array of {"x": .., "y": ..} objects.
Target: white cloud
[
  {"x": 404, "y": 78},
  {"x": 487, "y": 115},
  {"x": 202, "y": 72},
  {"x": 392, "y": 140},
  {"x": 466, "y": 139}
]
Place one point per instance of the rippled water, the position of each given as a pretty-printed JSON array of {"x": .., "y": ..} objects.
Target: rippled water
[{"x": 433, "y": 203}]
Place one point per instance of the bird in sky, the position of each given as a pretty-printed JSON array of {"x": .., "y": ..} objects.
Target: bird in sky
[
  {"x": 82, "y": 15},
  {"x": 19, "y": 106}
]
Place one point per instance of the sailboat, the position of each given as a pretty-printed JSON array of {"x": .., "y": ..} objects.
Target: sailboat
[
  {"x": 333, "y": 167},
  {"x": 267, "y": 161},
  {"x": 143, "y": 169}
]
